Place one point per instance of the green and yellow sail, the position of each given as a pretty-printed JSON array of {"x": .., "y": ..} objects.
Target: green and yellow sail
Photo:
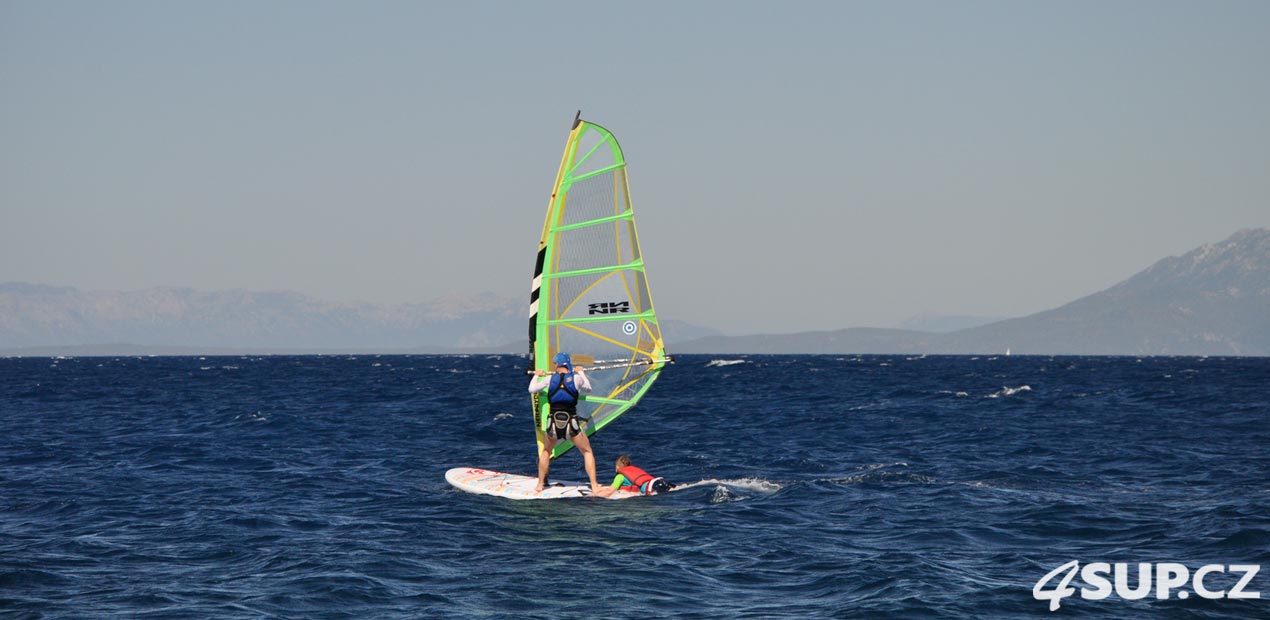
[{"x": 590, "y": 295}]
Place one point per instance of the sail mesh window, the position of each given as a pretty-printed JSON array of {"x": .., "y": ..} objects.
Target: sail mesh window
[{"x": 593, "y": 198}]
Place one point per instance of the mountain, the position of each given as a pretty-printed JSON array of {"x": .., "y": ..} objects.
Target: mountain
[
  {"x": 1214, "y": 300},
  {"x": 851, "y": 340},
  {"x": 33, "y": 315},
  {"x": 49, "y": 320},
  {"x": 945, "y": 324},
  {"x": 674, "y": 331}
]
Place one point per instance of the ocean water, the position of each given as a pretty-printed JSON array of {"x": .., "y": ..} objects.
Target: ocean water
[{"x": 816, "y": 487}]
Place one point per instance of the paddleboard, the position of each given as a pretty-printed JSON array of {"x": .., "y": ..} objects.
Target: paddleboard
[{"x": 512, "y": 486}]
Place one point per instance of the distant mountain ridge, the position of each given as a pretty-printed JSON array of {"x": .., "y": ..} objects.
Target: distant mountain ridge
[
  {"x": 1214, "y": 300},
  {"x": 37, "y": 319},
  {"x": 943, "y": 324},
  {"x": 33, "y": 315}
]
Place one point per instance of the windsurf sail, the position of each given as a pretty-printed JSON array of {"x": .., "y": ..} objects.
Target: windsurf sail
[{"x": 590, "y": 295}]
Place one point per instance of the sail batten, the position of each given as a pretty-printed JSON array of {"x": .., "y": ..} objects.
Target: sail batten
[
  {"x": 607, "y": 138},
  {"x": 598, "y": 172},
  {"x": 590, "y": 294},
  {"x": 604, "y": 220},
  {"x": 636, "y": 265},
  {"x": 601, "y": 319}
]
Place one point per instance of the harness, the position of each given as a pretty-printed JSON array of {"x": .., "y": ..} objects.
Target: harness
[{"x": 563, "y": 425}]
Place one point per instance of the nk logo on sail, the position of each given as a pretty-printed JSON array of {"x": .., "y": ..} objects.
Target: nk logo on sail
[{"x": 609, "y": 307}]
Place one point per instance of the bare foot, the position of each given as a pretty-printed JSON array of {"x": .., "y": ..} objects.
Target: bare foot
[
  {"x": 603, "y": 491},
  {"x": 540, "y": 485}
]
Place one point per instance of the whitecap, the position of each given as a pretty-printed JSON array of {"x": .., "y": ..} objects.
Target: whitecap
[
  {"x": 751, "y": 484},
  {"x": 1009, "y": 391},
  {"x": 717, "y": 363},
  {"x": 881, "y": 465}
]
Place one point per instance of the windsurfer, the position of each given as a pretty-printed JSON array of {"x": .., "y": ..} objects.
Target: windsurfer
[{"x": 564, "y": 388}]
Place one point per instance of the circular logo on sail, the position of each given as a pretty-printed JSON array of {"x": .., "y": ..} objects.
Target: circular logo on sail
[{"x": 629, "y": 328}]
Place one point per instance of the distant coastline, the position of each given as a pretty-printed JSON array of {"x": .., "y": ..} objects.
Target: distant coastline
[
  {"x": 132, "y": 350},
  {"x": 1212, "y": 301}
]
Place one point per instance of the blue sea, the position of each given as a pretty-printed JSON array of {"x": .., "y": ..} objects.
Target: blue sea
[{"x": 813, "y": 487}]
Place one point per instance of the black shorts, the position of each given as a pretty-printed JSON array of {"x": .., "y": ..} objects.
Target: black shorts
[{"x": 563, "y": 424}]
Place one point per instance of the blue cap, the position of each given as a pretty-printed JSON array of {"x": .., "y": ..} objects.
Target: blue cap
[{"x": 562, "y": 359}]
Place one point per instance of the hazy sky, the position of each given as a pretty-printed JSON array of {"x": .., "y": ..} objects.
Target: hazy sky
[{"x": 793, "y": 165}]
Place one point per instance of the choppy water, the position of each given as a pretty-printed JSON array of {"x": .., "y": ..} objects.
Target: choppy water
[{"x": 847, "y": 487}]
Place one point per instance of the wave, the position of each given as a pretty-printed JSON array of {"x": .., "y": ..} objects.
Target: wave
[
  {"x": 884, "y": 477},
  {"x": 733, "y": 490},
  {"x": 881, "y": 473},
  {"x": 751, "y": 484},
  {"x": 1009, "y": 391},
  {"x": 717, "y": 363},
  {"x": 134, "y": 472}
]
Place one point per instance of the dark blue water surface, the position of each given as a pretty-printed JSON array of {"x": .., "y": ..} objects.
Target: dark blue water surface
[{"x": 845, "y": 487}]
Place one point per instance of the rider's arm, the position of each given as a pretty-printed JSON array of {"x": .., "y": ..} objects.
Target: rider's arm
[
  {"x": 538, "y": 384},
  {"x": 580, "y": 379}
]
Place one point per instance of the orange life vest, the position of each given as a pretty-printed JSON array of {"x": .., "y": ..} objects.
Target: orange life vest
[{"x": 637, "y": 477}]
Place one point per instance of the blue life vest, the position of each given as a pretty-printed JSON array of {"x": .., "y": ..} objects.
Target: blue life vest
[{"x": 562, "y": 390}]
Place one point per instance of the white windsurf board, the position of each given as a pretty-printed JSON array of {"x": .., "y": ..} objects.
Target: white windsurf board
[{"x": 513, "y": 486}]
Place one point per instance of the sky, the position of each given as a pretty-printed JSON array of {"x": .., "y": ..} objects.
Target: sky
[{"x": 793, "y": 166}]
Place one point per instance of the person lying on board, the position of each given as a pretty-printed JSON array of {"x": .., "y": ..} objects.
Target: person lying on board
[
  {"x": 564, "y": 388},
  {"x": 635, "y": 480}
]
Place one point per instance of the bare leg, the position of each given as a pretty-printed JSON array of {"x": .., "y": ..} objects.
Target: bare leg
[
  {"x": 544, "y": 461},
  {"x": 583, "y": 445}
]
